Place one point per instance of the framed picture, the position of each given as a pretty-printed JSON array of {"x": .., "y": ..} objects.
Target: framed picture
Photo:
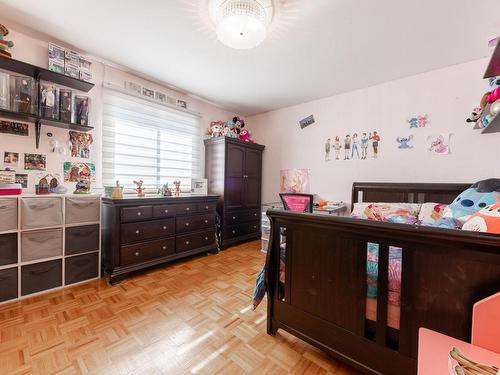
[
  {"x": 74, "y": 172},
  {"x": 132, "y": 86},
  {"x": 148, "y": 93},
  {"x": 35, "y": 162},
  {"x": 23, "y": 180},
  {"x": 181, "y": 103},
  {"x": 10, "y": 159},
  {"x": 16, "y": 128},
  {"x": 199, "y": 186},
  {"x": 161, "y": 97}
]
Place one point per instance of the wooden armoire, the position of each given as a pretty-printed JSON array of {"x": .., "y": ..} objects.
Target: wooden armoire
[{"x": 234, "y": 172}]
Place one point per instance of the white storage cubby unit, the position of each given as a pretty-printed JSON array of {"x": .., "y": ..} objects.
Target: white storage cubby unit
[{"x": 48, "y": 242}]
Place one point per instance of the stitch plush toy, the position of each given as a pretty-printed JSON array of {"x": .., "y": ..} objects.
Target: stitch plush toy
[
  {"x": 485, "y": 220},
  {"x": 470, "y": 201}
]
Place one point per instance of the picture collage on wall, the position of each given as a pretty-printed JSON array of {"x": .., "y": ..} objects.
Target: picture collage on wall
[
  {"x": 356, "y": 146},
  {"x": 154, "y": 95}
]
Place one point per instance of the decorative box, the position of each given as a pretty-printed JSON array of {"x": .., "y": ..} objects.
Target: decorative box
[{"x": 10, "y": 189}]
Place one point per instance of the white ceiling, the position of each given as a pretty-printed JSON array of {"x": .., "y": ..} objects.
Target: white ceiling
[{"x": 315, "y": 48}]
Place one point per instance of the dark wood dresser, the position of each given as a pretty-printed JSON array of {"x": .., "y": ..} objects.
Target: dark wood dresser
[
  {"x": 234, "y": 172},
  {"x": 143, "y": 232}
]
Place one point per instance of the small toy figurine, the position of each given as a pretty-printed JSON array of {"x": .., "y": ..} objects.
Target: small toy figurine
[
  {"x": 82, "y": 187},
  {"x": 43, "y": 186},
  {"x": 177, "y": 187},
  {"x": 117, "y": 192},
  {"x": 140, "y": 189},
  {"x": 475, "y": 115},
  {"x": 5, "y": 45},
  {"x": 166, "y": 191}
]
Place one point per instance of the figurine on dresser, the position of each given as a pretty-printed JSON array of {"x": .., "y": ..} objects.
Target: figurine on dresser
[{"x": 139, "y": 189}]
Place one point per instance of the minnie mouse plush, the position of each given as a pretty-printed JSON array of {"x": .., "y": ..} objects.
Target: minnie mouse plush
[{"x": 239, "y": 124}]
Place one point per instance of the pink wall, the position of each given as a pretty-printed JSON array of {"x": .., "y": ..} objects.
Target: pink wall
[
  {"x": 446, "y": 95},
  {"x": 34, "y": 51}
]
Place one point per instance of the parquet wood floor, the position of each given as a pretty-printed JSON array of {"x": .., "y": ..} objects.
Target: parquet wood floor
[{"x": 191, "y": 317}]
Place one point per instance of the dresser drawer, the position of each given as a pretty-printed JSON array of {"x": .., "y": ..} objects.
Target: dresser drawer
[
  {"x": 82, "y": 210},
  {"x": 41, "y": 244},
  {"x": 8, "y": 249},
  {"x": 8, "y": 281},
  {"x": 237, "y": 217},
  {"x": 82, "y": 239},
  {"x": 132, "y": 254},
  {"x": 8, "y": 213},
  {"x": 81, "y": 268},
  {"x": 147, "y": 230},
  {"x": 164, "y": 211},
  {"x": 41, "y": 276},
  {"x": 242, "y": 230},
  {"x": 136, "y": 213},
  {"x": 41, "y": 212},
  {"x": 187, "y": 208},
  {"x": 193, "y": 241},
  {"x": 206, "y": 207},
  {"x": 194, "y": 222}
]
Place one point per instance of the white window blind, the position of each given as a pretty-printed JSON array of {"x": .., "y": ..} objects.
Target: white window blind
[{"x": 148, "y": 141}]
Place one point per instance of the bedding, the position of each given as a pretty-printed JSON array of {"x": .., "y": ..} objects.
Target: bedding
[{"x": 403, "y": 213}]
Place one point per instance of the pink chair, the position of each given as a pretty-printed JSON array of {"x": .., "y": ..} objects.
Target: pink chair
[{"x": 297, "y": 202}]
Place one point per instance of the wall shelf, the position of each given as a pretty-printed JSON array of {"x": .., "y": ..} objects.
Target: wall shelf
[{"x": 43, "y": 74}]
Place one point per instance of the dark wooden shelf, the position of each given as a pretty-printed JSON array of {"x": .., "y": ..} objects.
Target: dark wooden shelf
[
  {"x": 37, "y": 72},
  {"x": 494, "y": 127},
  {"x": 27, "y": 117},
  {"x": 11, "y": 115}
]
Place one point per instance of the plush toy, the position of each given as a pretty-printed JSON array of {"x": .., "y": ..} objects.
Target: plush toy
[
  {"x": 245, "y": 136},
  {"x": 230, "y": 129},
  {"x": 477, "y": 197},
  {"x": 494, "y": 95},
  {"x": 239, "y": 124},
  {"x": 5, "y": 45},
  {"x": 475, "y": 115},
  {"x": 216, "y": 129},
  {"x": 485, "y": 220}
]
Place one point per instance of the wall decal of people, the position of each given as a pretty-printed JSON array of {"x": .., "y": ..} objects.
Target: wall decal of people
[
  {"x": 347, "y": 146},
  {"x": 375, "y": 138}
]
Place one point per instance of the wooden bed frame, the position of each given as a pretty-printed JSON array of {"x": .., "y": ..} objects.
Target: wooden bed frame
[{"x": 323, "y": 301}]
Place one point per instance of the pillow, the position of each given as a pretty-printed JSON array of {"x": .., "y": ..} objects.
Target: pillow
[
  {"x": 431, "y": 212},
  {"x": 485, "y": 220},
  {"x": 403, "y": 213}
]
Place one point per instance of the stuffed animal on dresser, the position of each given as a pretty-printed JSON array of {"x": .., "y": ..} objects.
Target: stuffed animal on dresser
[{"x": 245, "y": 136}]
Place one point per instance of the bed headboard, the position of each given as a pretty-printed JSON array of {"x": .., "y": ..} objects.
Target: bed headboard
[{"x": 406, "y": 192}]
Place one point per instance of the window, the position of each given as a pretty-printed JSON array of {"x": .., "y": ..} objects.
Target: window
[{"x": 148, "y": 141}]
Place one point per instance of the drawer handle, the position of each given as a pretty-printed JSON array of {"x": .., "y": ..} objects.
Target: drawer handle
[
  {"x": 41, "y": 206},
  {"x": 164, "y": 227},
  {"x": 3, "y": 207},
  {"x": 206, "y": 207},
  {"x": 187, "y": 224},
  {"x": 254, "y": 227},
  {"x": 83, "y": 204},
  {"x": 166, "y": 211},
  {"x": 187, "y": 208},
  {"x": 137, "y": 254},
  {"x": 139, "y": 213},
  {"x": 187, "y": 242},
  {"x": 164, "y": 247},
  {"x": 137, "y": 231},
  {"x": 206, "y": 221},
  {"x": 206, "y": 238},
  {"x": 255, "y": 215},
  {"x": 234, "y": 217},
  {"x": 234, "y": 231}
]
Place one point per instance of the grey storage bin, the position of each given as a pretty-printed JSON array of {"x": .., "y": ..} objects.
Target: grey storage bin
[
  {"x": 81, "y": 268},
  {"x": 41, "y": 276},
  {"x": 8, "y": 213},
  {"x": 41, "y": 212},
  {"x": 8, "y": 249},
  {"x": 82, "y": 210},
  {"x": 82, "y": 239},
  {"x": 8, "y": 281},
  {"x": 41, "y": 244}
]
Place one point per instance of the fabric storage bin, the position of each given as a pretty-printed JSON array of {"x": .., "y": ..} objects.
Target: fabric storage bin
[
  {"x": 8, "y": 249},
  {"x": 82, "y": 210},
  {"x": 82, "y": 239},
  {"x": 81, "y": 268},
  {"x": 41, "y": 276},
  {"x": 41, "y": 244},
  {"x": 8, "y": 213},
  {"x": 8, "y": 281},
  {"x": 41, "y": 212}
]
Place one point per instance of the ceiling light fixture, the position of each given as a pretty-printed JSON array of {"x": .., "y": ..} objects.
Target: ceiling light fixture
[{"x": 242, "y": 24}]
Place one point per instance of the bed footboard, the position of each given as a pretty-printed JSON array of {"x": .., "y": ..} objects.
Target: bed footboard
[{"x": 321, "y": 296}]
